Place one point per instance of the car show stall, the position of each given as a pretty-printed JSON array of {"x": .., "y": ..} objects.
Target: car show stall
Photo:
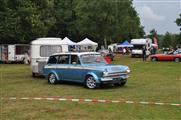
[
  {"x": 87, "y": 45},
  {"x": 124, "y": 44},
  {"x": 124, "y": 47}
]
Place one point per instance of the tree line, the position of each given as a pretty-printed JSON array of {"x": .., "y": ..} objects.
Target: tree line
[
  {"x": 168, "y": 40},
  {"x": 22, "y": 21}
]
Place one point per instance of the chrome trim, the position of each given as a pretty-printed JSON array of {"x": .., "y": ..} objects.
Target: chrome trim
[
  {"x": 115, "y": 74},
  {"x": 70, "y": 67},
  {"x": 111, "y": 78},
  {"x": 106, "y": 79}
]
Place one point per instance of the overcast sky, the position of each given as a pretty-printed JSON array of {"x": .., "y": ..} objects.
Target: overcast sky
[{"x": 158, "y": 14}]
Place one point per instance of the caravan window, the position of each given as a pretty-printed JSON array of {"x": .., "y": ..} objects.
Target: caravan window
[
  {"x": 47, "y": 50},
  {"x": 22, "y": 49}
]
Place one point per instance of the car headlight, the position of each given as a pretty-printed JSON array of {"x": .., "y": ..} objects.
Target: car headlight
[
  {"x": 128, "y": 70},
  {"x": 105, "y": 73}
]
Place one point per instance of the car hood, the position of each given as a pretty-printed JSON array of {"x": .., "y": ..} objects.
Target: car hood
[{"x": 109, "y": 68}]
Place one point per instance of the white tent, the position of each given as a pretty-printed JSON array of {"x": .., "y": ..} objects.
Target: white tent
[
  {"x": 86, "y": 41},
  {"x": 87, "y": 45},
  {"x": 67, "y": 41}
]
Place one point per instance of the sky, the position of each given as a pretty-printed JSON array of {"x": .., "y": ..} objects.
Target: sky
[{"x": 159, "y": 15}]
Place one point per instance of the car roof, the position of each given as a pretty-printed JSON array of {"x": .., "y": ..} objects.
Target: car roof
[{"x": 75, "y": 53}]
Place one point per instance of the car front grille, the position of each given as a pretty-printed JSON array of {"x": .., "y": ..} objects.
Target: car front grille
[{"x": 115, "y": 74}]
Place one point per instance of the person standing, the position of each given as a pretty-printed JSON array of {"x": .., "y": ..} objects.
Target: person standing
[
  {"x": 124, "y": 51},
  {"x": 144, "y": 53}
]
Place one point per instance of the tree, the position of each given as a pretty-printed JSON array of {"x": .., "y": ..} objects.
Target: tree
[
  {"x": 25, "y": 20},
  {"x": 167, "y": 40},
  {"x": 65, "y": 19},
  {"x": 106, "y": 19},
  {"x": 178, "y": 21}
]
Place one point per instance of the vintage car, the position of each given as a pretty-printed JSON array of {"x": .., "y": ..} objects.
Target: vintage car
[
  {"x": 170, "y": 56},
  {"x": 89, "y": 68}
]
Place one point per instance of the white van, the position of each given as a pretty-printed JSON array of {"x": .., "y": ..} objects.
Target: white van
[
  {"x": 138, "y": 44},
  {"x": 14, "y": 53},
  {"x": 41, "y": 49}
]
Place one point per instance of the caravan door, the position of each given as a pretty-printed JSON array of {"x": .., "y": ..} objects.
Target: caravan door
[{"x": 11, "y": 52}]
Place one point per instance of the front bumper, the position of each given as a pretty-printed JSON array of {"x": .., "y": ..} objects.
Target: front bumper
[{"x": 113, "y": 80}]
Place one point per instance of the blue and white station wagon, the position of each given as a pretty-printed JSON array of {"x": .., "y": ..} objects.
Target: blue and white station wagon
[{"x": 89, "y": 68}]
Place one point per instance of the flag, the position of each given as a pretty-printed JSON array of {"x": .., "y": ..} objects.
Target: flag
[{"x": 155, "y": 42}]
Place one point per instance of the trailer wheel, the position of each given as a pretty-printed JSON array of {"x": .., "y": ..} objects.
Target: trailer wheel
[{"x": 33, "y": 74}]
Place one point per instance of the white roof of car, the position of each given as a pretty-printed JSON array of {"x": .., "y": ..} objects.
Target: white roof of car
[{"x": 76, "y": 53}]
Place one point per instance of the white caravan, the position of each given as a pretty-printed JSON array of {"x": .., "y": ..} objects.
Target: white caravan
[
  {"x": 138, "y": 44},
  {"x": 41, "y": 49},
  {"x": 14, "y": 53}
]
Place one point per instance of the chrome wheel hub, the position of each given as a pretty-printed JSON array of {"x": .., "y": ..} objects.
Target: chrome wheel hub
[
  {"x": 91, "y": 83},
  {"x": 52, "y": 78}
]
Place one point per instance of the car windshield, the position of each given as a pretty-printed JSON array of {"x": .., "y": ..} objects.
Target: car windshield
[
  {"x": 138, "y": 47},
  {"x": 92, "y": 59}
]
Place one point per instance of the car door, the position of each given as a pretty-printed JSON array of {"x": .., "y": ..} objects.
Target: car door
[
  {"x": 169, "y": 57},
  {"x": 52, "y": 64},
  {"x": 76, "y": 71},
  {"x": 62, "y": 67},
  {"x": 166, "y": 57}
]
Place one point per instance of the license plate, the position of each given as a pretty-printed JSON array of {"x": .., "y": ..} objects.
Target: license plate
[{"x": 116, "y": 78}]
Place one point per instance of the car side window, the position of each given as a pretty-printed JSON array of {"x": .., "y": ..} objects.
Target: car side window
[
  {"x": 63, "y": 59},
  {"x": 53, "y": 60},
  {"x": 75, "y": 59}
]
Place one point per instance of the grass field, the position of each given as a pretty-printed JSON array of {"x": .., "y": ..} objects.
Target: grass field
[{"x": 149, "y": 81}]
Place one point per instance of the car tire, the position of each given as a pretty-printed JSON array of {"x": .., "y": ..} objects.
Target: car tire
[
  {"x": 52, "y": 79},
  {"x": 177, "y": 59},
  {"x": 154, "y": 59},
  {"x": 90, "y": 82},
  {"x": 121, "y": 83}
]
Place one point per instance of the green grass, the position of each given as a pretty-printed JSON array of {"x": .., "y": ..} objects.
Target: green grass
[{"x": 149, "y": 81}]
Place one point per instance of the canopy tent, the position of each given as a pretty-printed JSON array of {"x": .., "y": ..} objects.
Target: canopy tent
[
  {"x": 87, "y": 45},
  {"x": 125, "y": 44},
  {"x": 86, "y": 41},
  {"x": 67, "y": 41}
]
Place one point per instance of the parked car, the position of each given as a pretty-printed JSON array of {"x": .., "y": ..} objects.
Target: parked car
[
  {"x": 89, "y": 68},
  {"x": 171, "y": 56}
]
